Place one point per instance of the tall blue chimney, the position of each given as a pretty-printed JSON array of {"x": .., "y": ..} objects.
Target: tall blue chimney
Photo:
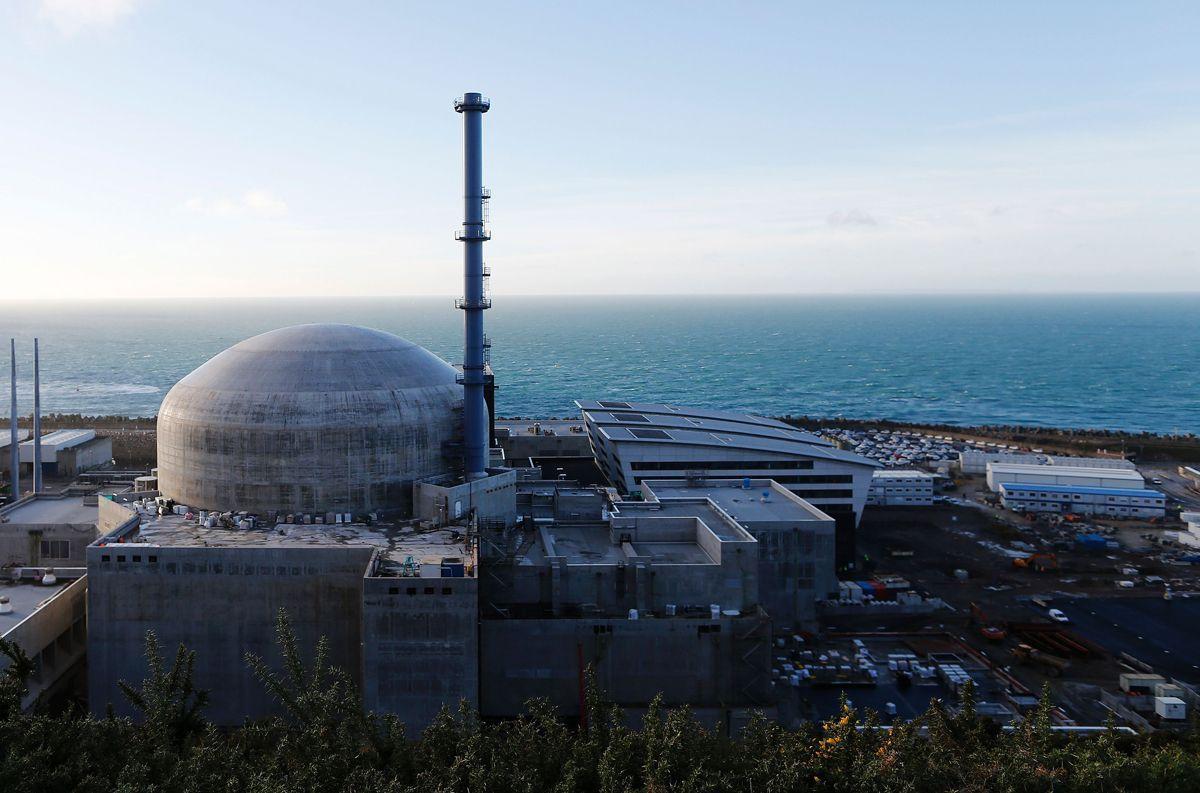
[
  {"x": 474, "y": 300},
  {"x": 14, "y": 476},
  {"x": 37, "y": 421}
]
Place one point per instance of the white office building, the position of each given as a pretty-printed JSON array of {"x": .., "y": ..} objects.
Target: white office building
[
  {"x": 1082, "y": 500},
  {"x": 975, "y": 461},
  {"x": 1016, "y": 474},
  {"x": 636, "y": 441},
  {"x": 901, "y": 489}
]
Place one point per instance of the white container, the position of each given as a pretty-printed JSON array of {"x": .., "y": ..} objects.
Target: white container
[
  {"x": 714, "y": 611},
  {"x": 670, "y": 609},
  {"x": 633, "y": 614},
  {"x": 1170, "y": 708}
]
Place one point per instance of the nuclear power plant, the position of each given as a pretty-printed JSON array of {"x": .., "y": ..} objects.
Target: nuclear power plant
[{"x": 352, "y": 480}]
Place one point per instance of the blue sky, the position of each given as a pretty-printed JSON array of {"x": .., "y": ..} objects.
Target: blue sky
[{"x": 163, "y": 147}]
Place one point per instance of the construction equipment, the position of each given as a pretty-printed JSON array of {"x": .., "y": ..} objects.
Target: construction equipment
[
  {"x": 1039, "y": 562},
  {"x": 1054, "y": 665},
  {"x": 987, "y": 629}
]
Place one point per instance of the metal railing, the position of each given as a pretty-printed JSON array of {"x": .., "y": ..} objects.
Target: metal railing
[{"x": 472, "y": 234}]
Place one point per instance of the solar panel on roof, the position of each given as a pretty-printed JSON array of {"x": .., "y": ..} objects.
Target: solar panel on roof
[
  {"x": 631, "y": 417},
  {"x": 613, "y": 404},
  {"x": 648, "y": 435}
]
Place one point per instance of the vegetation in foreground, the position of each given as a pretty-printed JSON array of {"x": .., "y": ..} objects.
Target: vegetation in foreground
[{"x": 326, "y": 742}]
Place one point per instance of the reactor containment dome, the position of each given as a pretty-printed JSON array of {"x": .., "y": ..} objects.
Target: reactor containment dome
[{"x": 310, "y": 419}]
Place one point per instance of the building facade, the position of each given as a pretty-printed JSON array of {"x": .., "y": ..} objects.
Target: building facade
[
  {"x": 1082, "y": 500},
  {"x": 635, "y": 441},
  {"x": 893, "y": 488}
]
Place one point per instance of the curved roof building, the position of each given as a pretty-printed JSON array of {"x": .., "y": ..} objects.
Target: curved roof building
[{"x": 311, "y": 418}]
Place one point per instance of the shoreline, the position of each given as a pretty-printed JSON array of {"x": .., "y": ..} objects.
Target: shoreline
[{"x": 135, "y": 439}]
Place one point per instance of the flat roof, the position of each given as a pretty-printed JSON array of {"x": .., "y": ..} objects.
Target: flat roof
[
  {"x": 737, "y": 502},
  {"x": 50, "y": 510},
  {"x": 1066, "y": 470},
  {"x": 394, "y": 541},
  {"x": 721, "y": 424},
  {"x": 704, "y": 510},
  {"x": 894, "y": 474},
  {"x": 25, "y": 599},
  {"x": 1095, "y": 491},
  {"x": 583, "y": 544}
]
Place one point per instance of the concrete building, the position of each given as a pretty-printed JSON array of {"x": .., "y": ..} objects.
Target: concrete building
[
  {"x": 43, "y": 588},
  {"x": 46, "y": 531},
  {"x": 1014, "y": 474},
  {"x": 67, "y": 453},
  {"x": 634, "y": 441},
  {"x": 524, "y": 439},
  {"x": 896, "y": 488},
  {"x": 48, "y": 622},
  {"x": 310, "y": 419},
  {"x": 398, "y": 605},
  {"x": 655, "y": 597},
  {"x": 1083, "y": 500},
  {"x": 796, "y": 566}
]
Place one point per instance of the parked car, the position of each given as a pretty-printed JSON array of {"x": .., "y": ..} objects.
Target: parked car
[{"x": 1057, "y": 615}]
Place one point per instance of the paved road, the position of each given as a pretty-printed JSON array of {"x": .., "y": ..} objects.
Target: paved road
[{"x": 1159, "y": 632}]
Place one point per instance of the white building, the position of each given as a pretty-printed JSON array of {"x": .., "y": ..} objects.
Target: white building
[
  {"x": 1017, "y": 474},
  {"x": 1191, "y": 537},
  {"x": 975, "y": 461},
  {"x": 901, "y": 488},
  {"x": 1083, "y": 500},
  {"x": 68, "y": 452},
  {"x": 635, "y": 441}
]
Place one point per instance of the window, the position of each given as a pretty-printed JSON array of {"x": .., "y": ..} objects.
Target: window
[
  {"x": 412, "y": 590},
  {"x": 393, "y": 590},
  {"x": 56, "y": 549},
  {"x": 428, "y": 590},
  {"x": 447, "y": 590}
]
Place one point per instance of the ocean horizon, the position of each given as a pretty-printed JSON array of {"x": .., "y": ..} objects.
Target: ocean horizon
[{"x": 1117, "y": 362}]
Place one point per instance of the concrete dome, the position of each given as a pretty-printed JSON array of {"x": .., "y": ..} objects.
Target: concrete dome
[{"x": 311, "y": 418}]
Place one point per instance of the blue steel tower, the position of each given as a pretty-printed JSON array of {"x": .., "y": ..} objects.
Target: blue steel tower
[
  {"x": 474, "y": 300},
  {"x": 14, "y": 473}
]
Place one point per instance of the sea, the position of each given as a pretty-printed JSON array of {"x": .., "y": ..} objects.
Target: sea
[{"x": 1129, "y": 363}]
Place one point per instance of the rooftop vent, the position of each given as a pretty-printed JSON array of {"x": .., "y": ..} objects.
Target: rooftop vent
[
  {"x": 636, "y": 418},
  {"x": 614, "y": 404},
  {"x": 650, "y": 435}
]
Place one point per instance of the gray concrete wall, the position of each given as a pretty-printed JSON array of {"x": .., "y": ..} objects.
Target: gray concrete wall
[
  {"x": 420, "y": 646},
  {"x": 523, "y": 446},
  {"x": 21, "y": 543},
  {"x": 222, "y": 603},
  {"x": 703, "y": 663},
  {"x": 54, "y": 636},
  {"x": 493, "y": 498}
]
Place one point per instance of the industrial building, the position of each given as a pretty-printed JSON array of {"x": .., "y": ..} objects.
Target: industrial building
[
  {"x": 67, "y": 453},
  {"x": 43, "y": 588},
  {"x": 1084, "y": 500},
  {"x": 897, "y": 488},
  {"x": 635, "y": 441},
  {"x": 975, "y": 461},
  {"x": 1016, "y": 474},
  {"x": 796, "y": 566}
]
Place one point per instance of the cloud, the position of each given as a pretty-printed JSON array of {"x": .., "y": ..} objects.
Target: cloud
[
  {"x": 75, "y": 16},
  {"x": 258, "y": 203},
  {"x": 851, "y": 217}
]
